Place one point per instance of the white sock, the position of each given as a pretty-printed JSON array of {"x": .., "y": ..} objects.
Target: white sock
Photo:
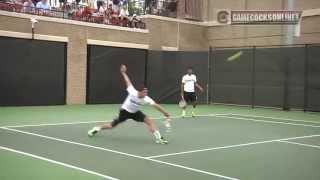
[
  {"x": 98, "y": 128},
  {"x": 157, "y": 135}
]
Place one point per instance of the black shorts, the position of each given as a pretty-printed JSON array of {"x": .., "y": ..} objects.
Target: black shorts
[
  {"x": 125, "y": 115},
  {"x": 189, "y": 96}
]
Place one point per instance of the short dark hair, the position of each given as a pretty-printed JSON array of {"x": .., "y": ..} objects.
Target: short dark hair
[
  {"x": 189, "y": 68},
  {"x": 141, "y": 87}
]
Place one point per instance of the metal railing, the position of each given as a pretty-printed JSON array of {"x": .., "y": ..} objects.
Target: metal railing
[
  {"x": 167, "y": 8},
  {"x": 78, "y": 13}
]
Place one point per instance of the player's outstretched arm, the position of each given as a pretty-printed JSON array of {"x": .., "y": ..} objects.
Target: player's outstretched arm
[
  {"x": 123, "y": 71},
  {"x": 161, "y": 109}
]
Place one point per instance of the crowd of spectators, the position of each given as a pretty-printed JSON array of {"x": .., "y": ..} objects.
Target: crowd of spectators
[{"x": 112, "y": 12}]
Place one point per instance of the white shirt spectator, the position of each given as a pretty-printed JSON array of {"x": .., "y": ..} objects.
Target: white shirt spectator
[
  {"x": 43, "y": 5},
  {"x": 124, "y": 12},
  {"x": 189, "y": 82},
  {"x": 133, "y": 103},
  {"x": 116, "y": 9},
  {"x": 102, "y": 10},
  {"x": 28, "y": 7}
]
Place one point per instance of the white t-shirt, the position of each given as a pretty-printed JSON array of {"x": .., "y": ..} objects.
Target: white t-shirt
[
  {"x": 189, "y": 82},
  {"x": 133, "y": 103}
]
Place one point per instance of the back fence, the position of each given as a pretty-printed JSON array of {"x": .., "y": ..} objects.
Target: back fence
[{"x": 276, "y": 76}]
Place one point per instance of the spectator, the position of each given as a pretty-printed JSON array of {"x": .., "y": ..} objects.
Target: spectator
[
  {"x": 110, "y": 10},
  {"x": 103, "y": 9},
  {"x": 124, "y": 11},
  {"x": 43, "y": 5},
  {"x": 35, "y": 2},
  {"x": 62, "y": 3},
  {"x": 20, "y": 2},
  {"x": 124, "y": 2},
  {"x": 116, "y": 7},
  {"x": 28, "y": 7},
  {"x": 107, "y": 13},
  {"x": 134, "y": 21},
  {"x": 99, "y": 3},
  {"x": 123, "y": 16},
  {"x": 116, "y": 2}
]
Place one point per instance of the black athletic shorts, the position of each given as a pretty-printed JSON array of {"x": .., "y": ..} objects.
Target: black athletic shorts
[
  {"x": 125, "y": 115},
  {"x": 190, "y": 96}
]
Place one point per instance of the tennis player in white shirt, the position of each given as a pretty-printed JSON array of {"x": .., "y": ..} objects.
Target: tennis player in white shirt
[
  {"x": 130, "y": 109},
  {"x": 188, "y": 93}
]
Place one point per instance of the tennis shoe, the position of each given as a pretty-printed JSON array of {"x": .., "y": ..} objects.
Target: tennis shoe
[
  {"x": 161, "y": 141},
  {"x": 93, "y": 131}
]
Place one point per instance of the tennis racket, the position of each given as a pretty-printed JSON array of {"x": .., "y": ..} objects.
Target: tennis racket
[
  {"x": 182, "y": 103},
  {"x": 167, "y": 124}
]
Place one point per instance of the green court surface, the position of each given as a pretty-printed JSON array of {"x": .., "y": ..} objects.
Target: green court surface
[{"x": 223, "y": 142}]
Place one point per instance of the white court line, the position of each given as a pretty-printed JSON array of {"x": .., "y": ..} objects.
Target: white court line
[
  {"x": 89, "y": 122},
  {"x": 300, "y": 144},
  {"x": 57, "y": 162},
  {"x": 191, "y": 169},
  {"x": 275, "y": 118},
  {"x": 55, "y": 124},
  {"x": 233, "y": 146},
  {"x": 122, "y": 153},
  {"x": 265, "y": 121}
]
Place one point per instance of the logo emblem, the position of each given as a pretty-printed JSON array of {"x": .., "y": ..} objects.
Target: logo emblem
[{"x": 223, "y": 17}]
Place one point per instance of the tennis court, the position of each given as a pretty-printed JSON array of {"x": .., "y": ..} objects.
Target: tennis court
[
  {"x": 233, "y": 89},
  {"x": 222, "y": 142}
]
